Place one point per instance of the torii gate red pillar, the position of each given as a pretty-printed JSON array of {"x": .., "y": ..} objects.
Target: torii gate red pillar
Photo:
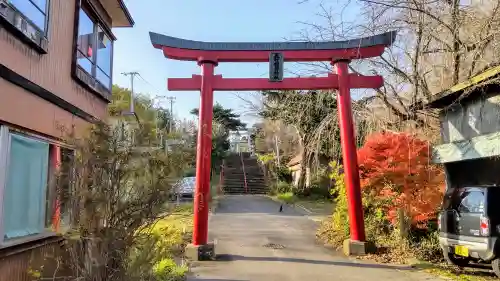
[
  {"x": 208, "y": 55},
  {"x": 203, "y": 154}
]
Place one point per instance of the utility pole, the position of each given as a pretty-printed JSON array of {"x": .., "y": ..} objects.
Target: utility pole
[
  {"x": 171, "y": 100},
  {"x": 132, "y": 76}
]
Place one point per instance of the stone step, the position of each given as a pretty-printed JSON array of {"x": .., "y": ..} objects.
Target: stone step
[
  {"x": 239, "y": 167},
  {"x": 242, "y": 186},
  {"x": 240, "y": 171},
  {"x": 260, "y": 181},
  {"x": 236, "y": 185},
  {"x": 243, "y": 177},
  {"x": 246, "y": 192},
  {"x": 243, "y": 182},
  {"x": 248, "y": 176}
]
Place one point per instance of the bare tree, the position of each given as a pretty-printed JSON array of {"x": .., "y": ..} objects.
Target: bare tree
[{"x": 439, "y": 43}]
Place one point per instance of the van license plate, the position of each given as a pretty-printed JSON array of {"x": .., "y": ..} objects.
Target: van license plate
[{"x": 461, "y": 251}]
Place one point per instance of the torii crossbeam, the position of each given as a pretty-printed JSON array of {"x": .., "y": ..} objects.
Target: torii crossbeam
[{"x": 209, "y": 55}]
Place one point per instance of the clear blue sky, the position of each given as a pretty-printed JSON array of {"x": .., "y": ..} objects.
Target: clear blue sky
[{"x": 204, "y": 20}]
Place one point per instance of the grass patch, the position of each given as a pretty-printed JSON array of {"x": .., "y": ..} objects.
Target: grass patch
[
  {"x": 174, "y": 231},
  {"x": 164, "y": 242},
  {"x": 287, "y": 197},
  {"x": 322, "y": 206},
  {"x": 168, "y": 270}
]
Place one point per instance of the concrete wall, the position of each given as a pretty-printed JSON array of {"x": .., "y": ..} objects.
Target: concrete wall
[{"x": 461, "y": 122}]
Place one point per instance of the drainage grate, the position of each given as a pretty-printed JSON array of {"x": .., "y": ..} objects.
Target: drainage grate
[{"x": 274, "y": 246}]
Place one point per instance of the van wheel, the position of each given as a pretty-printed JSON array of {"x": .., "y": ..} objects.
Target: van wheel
[
  {"x": 495, "y": 264},
  {"x": 457, "y": 261}
]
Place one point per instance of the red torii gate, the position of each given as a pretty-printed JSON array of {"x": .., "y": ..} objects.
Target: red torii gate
[{"x": 209, "y": 55}]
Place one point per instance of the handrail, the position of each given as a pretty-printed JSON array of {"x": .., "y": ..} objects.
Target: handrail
[
  {"x": 244, "y": 173},
  {"x": 221, "y": 177}
]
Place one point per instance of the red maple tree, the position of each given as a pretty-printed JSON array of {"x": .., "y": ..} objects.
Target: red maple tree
[{"x": 398, "y": 165}]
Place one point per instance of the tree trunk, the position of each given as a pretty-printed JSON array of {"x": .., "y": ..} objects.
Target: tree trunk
[
  {"x": 302, "y": 174},
  {"x": 403, "y": 224},
  {"x": 456, "y": 43}
]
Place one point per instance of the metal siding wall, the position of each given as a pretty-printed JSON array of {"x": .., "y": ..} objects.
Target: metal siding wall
[
  {"x": 462, "y": 122},
  {"x": 52, "y": 71},
  {"x": 15, "y": 266}
]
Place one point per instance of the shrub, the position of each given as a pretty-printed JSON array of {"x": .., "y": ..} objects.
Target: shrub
[
  {"x": 167, "y": 270},
  {"x": 320, "y": 185},
  {"x": 284, "y": 174},
  {"x": 397, "y": 165},
  {"x": 119, "y": 189},
  {"x": 379, "y": 206},
  {"x": 340, "y": 219},
  {"x": 287, "y": 197},
  {"x": 281, "y": 187}
]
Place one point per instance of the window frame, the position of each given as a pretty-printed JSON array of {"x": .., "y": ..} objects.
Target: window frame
[
  {"x": 40, "y": 44},
  {"x": 86, "y": 79},
  {"x": 28, "y": 19},
  {"x": 5, "y": 144},
  {"x": 4, "y": 152}
]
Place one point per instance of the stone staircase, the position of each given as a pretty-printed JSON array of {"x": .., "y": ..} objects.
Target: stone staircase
[{"x": 235, "y": 174}]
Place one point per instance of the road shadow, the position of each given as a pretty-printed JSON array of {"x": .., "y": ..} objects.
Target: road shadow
[
  {"x": 255, "y": 205},
  {"x": 307, "y": 261},
  {"x": 469, "y": 273}
]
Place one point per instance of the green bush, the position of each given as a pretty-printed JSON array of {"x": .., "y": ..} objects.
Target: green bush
[
  {"x": 287, "y": 197},
  {"x": 280, "y": 187},
  {"x": 284, "y": 174},
  {"x": 320, "y": 186},
  {"x": 167, "y": 270},
  {"x": 315, "y": 192},
  {"x": 160, "y": 243},
  {"x": 283, "y": 187}
]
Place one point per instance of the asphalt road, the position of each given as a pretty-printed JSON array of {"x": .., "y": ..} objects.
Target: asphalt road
[{"x": 255, "y": 242}]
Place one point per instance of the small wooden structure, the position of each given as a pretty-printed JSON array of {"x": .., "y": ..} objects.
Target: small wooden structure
[
  {"x": 294, "y": 166},
  {"x": 470, "y": 130}
]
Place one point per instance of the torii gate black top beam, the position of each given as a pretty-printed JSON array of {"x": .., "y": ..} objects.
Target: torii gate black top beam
[{"x": 182, "y": 49}]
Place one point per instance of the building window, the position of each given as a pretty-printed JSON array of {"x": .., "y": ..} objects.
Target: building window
[
  {"x": 28, "y": 20},
  {"x": 34, "y": 11},
  {"x": 94, "y": 50},
  {"x": 25, "y": 196},
  {"x": 24, "y": 185}
]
